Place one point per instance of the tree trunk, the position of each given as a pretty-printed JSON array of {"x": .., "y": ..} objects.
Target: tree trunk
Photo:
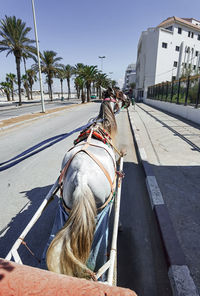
[
  {"x": 50, "y": 92},
  {"x": 17, "y": 59},
  {"x": 24, "y": 65},
  {"x": 12, "y": 91},
  {"x": 7, "y": 95},
  {"x": 88, "y": 93},
  {"x": 27, "y": 92},
  {"x": 100, "y": 93},
  {"x": 68, "y": 85},
  {"x": 82, "y": 96},
  {"x": 61, "y": 82},
  {"x": 31, "y": 91}
]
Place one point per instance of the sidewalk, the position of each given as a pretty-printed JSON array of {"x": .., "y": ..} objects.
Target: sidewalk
[{"x": 170, "y": 151}]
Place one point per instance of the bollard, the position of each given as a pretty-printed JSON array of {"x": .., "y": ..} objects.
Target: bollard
[{"x": 23, "y": 280}]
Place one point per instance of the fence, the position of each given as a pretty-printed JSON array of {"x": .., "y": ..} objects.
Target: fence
[{"x": 184, "y": 91}]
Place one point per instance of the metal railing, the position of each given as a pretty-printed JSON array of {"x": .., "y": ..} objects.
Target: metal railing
[{"x": 185, "y": 91}]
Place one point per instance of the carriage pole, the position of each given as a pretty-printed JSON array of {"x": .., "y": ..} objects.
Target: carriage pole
[
  {"x": 113, "y": 252},
  {"x": 13, "y": 252}
]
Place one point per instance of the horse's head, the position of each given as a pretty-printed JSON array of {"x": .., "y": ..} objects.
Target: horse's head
[
  {"x": 122, "y": 98},
  {"x": 108, "y": 95}
]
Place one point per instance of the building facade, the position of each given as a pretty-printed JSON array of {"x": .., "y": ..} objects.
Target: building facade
[
  {"x": 167, "y": 52},
  {"x": 130, "y": 76}
]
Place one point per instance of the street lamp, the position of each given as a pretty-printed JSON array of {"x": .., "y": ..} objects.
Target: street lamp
[
  {"x": 101, "y": 57},
  {"x": 38, "y": 55}
]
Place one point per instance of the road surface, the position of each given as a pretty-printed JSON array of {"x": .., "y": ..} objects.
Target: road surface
[{"x": 32, "y": 155}]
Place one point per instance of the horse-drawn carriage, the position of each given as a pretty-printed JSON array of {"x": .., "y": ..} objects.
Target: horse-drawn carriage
[{"x": 89, "y": 184}]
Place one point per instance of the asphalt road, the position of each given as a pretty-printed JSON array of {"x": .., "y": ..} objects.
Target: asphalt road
[
  {"x": 14, "y": 110},
  {"x": 27, "y": 178}
]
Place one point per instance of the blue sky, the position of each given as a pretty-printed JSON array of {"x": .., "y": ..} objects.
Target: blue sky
[{"x": 80, "y": 31}]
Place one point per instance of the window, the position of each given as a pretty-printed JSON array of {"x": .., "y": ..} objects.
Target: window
[
  {"x": 164, "y": 45},
  {"x": 173, "y": 78},
  {"x": 194, "y": 67},
  {"x": 198, "y": 37},
  {"x": 196, "y": 53},
  {"x": 175, "y": 64},
  {"x": 179, "y": 31},
  {"x": 187, "y": 49},
  {"x": 169, "y": 28},
  {"x": 190, "y": 34},
  {"x": 177, "y": 48}
]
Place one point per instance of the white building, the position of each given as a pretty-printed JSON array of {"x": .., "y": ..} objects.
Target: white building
[
  {"x": 130, "y": 76},
  {"x": 167, "y": 52}
]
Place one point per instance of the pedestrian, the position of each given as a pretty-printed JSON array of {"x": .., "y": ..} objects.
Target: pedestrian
[{"x": 131, "y": 97}]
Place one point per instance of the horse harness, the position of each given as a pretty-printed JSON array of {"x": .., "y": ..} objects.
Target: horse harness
[{"x": 100, "y": 134}]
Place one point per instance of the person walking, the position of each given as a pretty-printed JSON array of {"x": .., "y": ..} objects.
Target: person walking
[{"x": 131, "y": 97}]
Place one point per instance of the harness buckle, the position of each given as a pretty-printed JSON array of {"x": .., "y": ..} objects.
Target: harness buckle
[{"x": 120, "y": 174}]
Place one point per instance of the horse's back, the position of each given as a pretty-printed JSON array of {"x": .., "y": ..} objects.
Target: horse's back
[{"x": 84, "y": 169}]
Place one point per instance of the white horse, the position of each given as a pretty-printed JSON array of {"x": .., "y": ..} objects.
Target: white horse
[{"x": 88, "y": 182}]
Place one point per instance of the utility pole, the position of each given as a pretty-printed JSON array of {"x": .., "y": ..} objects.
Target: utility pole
[{"x": 38, "y": 55}]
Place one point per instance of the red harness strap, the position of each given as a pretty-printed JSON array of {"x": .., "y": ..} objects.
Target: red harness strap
[
  {"x": 110, "y": 100},
  {"x": 95, "y": 134}
]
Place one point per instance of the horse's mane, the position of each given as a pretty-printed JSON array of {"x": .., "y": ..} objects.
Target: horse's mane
[{"x": 108, "y": 118}]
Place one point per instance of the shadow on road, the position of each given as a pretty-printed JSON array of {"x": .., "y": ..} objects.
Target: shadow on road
[
  {"x": 37, "y": 148},
  {"x": 141, "y": 259},
  {"x": 39, "y": 234}
]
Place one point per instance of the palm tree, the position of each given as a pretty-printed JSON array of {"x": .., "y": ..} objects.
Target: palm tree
[
  {"x": 69, "y": 71},
  {"x": 79, "y": 84},
  {"x": 11, "y": 78},
  {"x": 78, "y": 68},
  {"x": 5, "y": 87},
  {"x": 26, "y": 85},
  {"x": 61, "y": 75},
  {"x": 78, "y": 81},
  {"x": 101, "y": 80},
  {"x": 50, "y": 67},
  {"x": 113, "y": 83},
  {"x": 88, "y": 73},
  {"x": 31, "y": 77},
  {"x": 132, "y": 85},
  {"x": 14, "y": 33}
]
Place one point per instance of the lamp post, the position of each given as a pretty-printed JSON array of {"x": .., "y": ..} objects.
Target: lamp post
[
  {"x": 38, "y": 55},
  {"x": 101, "y": 57}
]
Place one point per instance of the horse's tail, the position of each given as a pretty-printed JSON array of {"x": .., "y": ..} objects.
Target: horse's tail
[{"x": 73, "y": 242}]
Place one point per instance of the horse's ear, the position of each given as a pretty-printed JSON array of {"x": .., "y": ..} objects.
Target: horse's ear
[{"x": 110, "y": 91}]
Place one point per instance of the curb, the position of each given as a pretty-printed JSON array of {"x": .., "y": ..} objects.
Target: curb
[{"x": 181, "y": 281}]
